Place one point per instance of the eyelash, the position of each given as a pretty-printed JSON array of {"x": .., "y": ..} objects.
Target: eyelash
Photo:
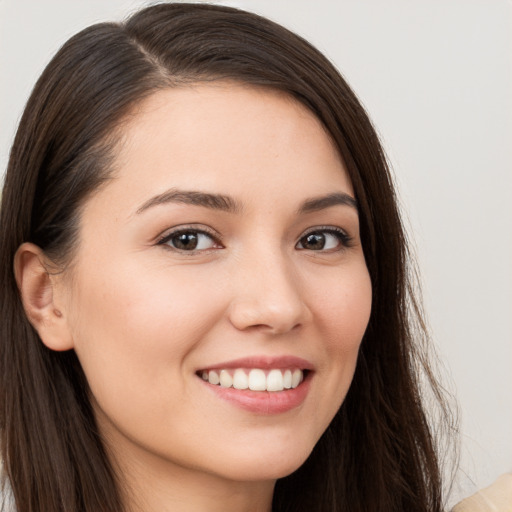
[{"x": 344, "y": 239}]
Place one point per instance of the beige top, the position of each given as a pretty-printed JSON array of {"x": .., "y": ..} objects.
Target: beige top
[{"x": 495, "y": 498}]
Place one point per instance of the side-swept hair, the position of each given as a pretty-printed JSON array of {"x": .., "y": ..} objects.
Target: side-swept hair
[{"x": 379, "y": 453}]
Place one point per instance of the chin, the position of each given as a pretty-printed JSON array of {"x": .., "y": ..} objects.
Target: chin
[{"x": 266, "y": 465}]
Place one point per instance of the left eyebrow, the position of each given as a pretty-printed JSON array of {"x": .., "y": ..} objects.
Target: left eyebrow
[{"x": 321, "y": 203}]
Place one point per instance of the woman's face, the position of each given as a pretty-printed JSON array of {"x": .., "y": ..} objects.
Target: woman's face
[{"x": 226, "y": 247}]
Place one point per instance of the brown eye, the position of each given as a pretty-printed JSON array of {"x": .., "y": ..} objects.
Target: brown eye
[
  {"x": 313, "y": 242},
  {"x": 189, "y": 240},
  {"x": 184, "y": 241},
  {"x": 324, "y": 240}
]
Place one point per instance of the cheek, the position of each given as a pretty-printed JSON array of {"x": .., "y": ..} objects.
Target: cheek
[
  {"x": 344, "y": 311},
  {"x": 343, "y": 314},
  {"x": 140, "y": 320},
  {"x": 125, "y": 301}
]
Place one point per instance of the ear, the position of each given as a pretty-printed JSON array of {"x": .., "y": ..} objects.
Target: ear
[{"x": 38, "y": 294}]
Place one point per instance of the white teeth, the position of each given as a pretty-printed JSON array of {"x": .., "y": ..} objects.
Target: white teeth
[
  {"x": 287, "y": 379},
  {"x": 213, "y": 377},
  {"x": 296, "y": 378},
  {"x": 256, "y": 379},
  {"x": 240, "y": 379},
  {"x": 226, "y": 381},
  {"x": 275, "y": 381}
]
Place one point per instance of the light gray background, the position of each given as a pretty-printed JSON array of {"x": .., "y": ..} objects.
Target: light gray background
[{"x": 436, "y": 77}]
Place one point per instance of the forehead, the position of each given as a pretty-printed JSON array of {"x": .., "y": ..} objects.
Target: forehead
[{"x": 226, "y": 138}]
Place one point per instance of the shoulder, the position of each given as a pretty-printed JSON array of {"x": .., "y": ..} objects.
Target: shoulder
[
  {"x": 495, "y": 498},
  {"x": 6, "y": 499}
]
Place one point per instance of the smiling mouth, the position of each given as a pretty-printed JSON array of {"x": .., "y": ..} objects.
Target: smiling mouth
[{"x": 254, "y": 379}]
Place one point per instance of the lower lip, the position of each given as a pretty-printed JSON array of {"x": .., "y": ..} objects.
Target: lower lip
[{"x": 264, "y": 402}]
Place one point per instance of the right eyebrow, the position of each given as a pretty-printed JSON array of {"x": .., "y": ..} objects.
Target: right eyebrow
[{"x": 192, "y": 197}]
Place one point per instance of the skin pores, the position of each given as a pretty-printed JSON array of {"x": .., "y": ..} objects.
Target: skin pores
[{"x": 171, "y": 281}]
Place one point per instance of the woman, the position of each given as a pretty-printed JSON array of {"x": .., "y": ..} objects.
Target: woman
[{"x": 210, "y": 306}]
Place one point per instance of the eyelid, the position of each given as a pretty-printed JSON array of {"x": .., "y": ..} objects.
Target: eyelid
[{"x": 327, "y": 228}]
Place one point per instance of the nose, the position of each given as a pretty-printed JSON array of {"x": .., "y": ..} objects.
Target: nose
[{"x": 267, "y": 296}]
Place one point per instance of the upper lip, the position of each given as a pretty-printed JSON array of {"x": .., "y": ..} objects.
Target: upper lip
[{"x": 264, "y": 362}]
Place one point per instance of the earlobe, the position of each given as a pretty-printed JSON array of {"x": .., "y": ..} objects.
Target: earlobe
[{"x": 37, "y": 289}]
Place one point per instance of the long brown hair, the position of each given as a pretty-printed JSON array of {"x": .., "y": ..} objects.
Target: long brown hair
[{"x": 379, "y": 452}]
